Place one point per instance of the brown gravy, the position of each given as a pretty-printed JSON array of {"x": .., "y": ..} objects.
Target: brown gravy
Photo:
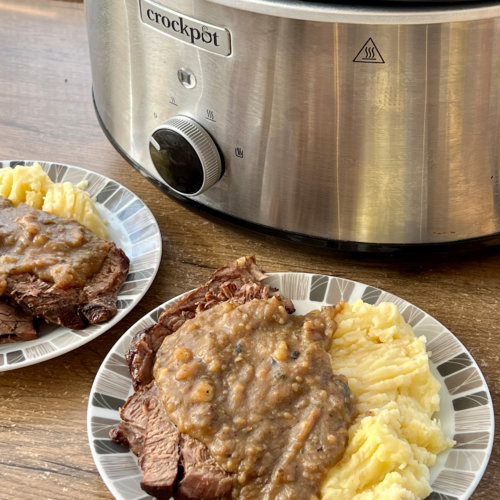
[
  {"x": 255, "y": 385},
  {"x": 54, "y": 249}
]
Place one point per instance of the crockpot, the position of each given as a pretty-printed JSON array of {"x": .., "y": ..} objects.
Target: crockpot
[{"x": 362, "y": 125}]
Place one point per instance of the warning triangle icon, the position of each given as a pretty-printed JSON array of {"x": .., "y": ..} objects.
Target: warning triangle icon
[{"x": 369, "y": 53}]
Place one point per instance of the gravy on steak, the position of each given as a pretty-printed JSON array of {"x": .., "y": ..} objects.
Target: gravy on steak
[
  {"x": 57, "y": 250},
  {"x": 255, "y": 385}
]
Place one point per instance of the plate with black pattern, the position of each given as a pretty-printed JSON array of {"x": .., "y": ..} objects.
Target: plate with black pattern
[
  {"x": 466, "y": 409},
  {"x": 132, "y": 227}
]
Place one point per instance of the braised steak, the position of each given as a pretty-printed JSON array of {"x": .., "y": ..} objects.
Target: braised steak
[
  {"x": 56, "y": 269},
  {"x": 238, "y": 281},
  {"x": 255, "y": 385},
  {"x": 187, "y": 422}
]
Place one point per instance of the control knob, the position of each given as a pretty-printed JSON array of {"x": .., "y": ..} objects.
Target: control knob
[{"x": 185, "y": 156}]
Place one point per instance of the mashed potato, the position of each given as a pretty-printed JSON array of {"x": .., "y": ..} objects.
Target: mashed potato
[
  {"x": 394, "y": 440},
  {"x": 31, "y": 185}
]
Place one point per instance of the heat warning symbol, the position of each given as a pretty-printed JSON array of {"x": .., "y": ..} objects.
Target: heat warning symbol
[{"x": 369, "y": 53}]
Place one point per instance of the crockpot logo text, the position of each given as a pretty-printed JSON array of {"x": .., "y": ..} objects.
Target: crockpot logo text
[
  {"x": 181, "y": 27},
  {"x": 192, "y": 31}
]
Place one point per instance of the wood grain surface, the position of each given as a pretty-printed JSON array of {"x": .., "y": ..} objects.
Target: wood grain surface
[{"x": 47, "y": 114}]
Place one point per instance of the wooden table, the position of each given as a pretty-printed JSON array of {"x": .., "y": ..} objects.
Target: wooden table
[{"x": 47, "y": 114}]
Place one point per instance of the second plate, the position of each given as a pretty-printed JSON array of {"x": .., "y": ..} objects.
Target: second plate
[{"x": 132, "y": 227}]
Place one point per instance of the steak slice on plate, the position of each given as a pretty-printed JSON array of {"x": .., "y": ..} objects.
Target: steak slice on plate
[
  {"x": 202, "y": 476},
  {"x": 131, "y": 431},
  {"x": 159, "y": 458},
  {"x": 172, "y": 464},
  {"x": 15, "y": 324}
]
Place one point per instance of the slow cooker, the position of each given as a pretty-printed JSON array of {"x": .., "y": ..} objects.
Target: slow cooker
[{"x": 354, "y": 124}]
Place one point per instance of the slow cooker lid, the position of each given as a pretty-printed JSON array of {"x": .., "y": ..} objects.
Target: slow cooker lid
[
  {"x": 405, "y": 2},
  {"x": 371, "y": 12}
]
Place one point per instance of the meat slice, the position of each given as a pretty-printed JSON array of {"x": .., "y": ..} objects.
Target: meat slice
[
  {"x": 15, "y": 325},
  {"x": 176, "y": 465},
  {"x": 173, "y": 464},
  {"x": 159, "y": 458},
  {"x": 141, "y": 357},
  {"x": 100, "y": 309},
  {"x": 131, "y": 431},
  {"x": 202, "y": 476},
  {"x": 239, "y": 281}
]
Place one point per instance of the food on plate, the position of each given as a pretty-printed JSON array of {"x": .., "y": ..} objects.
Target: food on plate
[
  {"x": 31, "y": 185},
  {"x": 235, "y": 397},
  {"x": 394, "y": 440},
  {"x": 255, "y": 385},
  {"x": 55, "y": 269}
]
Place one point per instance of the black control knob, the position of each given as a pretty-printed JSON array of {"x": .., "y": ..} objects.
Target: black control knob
[{"x": 185, "y": 156}]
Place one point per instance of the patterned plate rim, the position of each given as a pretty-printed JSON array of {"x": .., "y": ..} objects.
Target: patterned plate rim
[
  {"x": 140, "y": 238},
  {"x": 468, "y": 417}
]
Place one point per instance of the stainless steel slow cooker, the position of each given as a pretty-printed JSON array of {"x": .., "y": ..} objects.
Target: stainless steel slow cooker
[{"x": 374, "y": 124}]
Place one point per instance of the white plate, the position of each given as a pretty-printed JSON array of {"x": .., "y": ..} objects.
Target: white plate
[
  {"x": 132, "y": 227},
  {"x": 466, "y": 411}
]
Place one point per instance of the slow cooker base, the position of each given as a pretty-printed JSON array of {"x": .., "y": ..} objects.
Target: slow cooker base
[{"x": 459, "y": 246}]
